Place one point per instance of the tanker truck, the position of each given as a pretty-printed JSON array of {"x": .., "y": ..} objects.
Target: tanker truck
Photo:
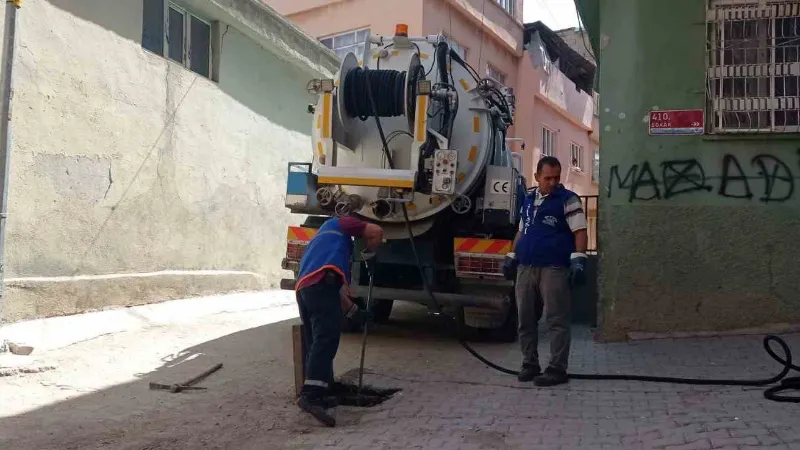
[{"x": 411, "y": 137}]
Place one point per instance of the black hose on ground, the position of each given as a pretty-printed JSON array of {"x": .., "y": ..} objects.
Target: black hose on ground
[{"x": 772, "y": 393}]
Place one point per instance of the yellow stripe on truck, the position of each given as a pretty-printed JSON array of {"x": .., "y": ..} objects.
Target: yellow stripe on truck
[
  {"x": 369, "y": 182},
  {"x": 422, "y": 117},
  {"x": 326, "y": 114}
]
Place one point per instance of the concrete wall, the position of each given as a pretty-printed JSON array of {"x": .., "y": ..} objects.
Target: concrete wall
[
  {"x": 134, "y": 180},
  {"x": 491, "y": 35},
  {"x": 696, "y": 232},
  {"x": 484, "y": 45},
  {"x": 325, "y": 18}
]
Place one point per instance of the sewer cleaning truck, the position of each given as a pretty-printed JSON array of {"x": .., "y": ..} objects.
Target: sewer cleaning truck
[{"x": 411, "y": 137}]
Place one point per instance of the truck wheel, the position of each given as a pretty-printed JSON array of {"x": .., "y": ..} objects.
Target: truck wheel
[
  {"x": 506, "y": 332},
  {"x": 381, "y": 309},
  {"x": 349, "y": 327}
]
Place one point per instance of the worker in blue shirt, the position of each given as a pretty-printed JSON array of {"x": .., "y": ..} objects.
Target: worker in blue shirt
[
  {"x": 323, "y": 297},
  {"x": 548, "y": 258}
]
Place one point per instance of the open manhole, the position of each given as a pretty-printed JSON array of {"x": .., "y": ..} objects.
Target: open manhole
[{"x": 347, "y": 394}]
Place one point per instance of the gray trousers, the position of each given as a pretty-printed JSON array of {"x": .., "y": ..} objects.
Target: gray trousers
[{"x": 544, "y": 288}]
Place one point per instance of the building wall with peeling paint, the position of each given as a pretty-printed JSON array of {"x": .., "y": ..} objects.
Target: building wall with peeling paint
[
  {"x": 697, "y": 233},
  {"x": 135, "y": 180}
]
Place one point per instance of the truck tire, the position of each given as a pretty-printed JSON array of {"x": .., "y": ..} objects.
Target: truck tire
[
  {"x": 505, "y": 333},
  {"x": 381, "y": 309},
  {"x": 508, "y": 331}
]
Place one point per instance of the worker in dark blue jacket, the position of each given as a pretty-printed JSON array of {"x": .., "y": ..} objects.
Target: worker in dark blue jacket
[
  {"x": 323, "y": 296},
  {"x": 548, "y": 259}
]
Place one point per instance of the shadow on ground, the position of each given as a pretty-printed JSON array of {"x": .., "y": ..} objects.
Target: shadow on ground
[{"x": 249, "y": 403}]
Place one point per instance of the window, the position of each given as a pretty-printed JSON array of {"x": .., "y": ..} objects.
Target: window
[
  {"x": 754, "y": 66},
  {"x": 576, "y": 156},
  {"x": 508, "y": 5},
  {"x": 344, "y": 43},
  {"x": 495, "y": 74},
  {"x": 548, "y": 142},
  {"x": 171, "y": 31},
  {"x": 596, "y": 166}
]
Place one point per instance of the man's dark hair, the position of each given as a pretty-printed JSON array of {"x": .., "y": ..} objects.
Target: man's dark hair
[{"x": 551, "y": 161}]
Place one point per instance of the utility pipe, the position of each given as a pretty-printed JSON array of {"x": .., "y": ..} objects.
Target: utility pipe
[{"x": 6, "y": 92}]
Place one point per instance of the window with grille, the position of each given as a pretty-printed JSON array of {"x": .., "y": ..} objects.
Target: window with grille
[
  {"x": 344, "y": 43},
  {"x": 548, "y": 142},
  {"x": 493, "y": 73},
  {"x": 596, "y": 166},
  {"x": 178, "y": 34},
  {"x": 576, "y": 156},
  {"x": 753, "y": 66}
]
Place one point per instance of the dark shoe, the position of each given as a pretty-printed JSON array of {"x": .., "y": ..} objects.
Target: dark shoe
[
  {"x": 551, "y": 377},
  {"x": 529, "y": 373},
  {"x": 316, "y": 408},
  {"x": 330, "y": 401}
]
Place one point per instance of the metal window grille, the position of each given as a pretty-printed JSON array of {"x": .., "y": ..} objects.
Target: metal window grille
[
  {"x": 753, "y": 60},
  {"x": 548, "y": 142},
  {"x": 576, "y": 156},
  {"x": 350, "y": 41}
]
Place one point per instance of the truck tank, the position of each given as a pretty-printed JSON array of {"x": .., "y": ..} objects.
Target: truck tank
[{"x": 409, "y": 136}]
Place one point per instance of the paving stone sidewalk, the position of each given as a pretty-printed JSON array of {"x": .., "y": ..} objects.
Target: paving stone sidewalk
[{"x": 452, "y": 401}]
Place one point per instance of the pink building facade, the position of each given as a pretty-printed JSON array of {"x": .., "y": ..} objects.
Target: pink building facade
[
  {"x": 555, "y": 116},
  {"x": 552, "y": 116}
]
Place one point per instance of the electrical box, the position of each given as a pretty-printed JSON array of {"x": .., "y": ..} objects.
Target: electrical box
[
  {"x": 500, "y": 194},
  {"x": 445, "y": 164}
]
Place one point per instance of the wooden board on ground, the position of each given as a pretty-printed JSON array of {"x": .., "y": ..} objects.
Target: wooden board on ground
[{"x": 299, "y": 360}]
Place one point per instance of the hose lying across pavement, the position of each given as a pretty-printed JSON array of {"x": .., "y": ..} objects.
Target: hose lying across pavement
[{"x": 772, "y": 393}]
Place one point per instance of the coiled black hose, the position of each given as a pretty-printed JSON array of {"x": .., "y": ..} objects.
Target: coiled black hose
[
  {"x": 773, "y": 393},
  {"x": 388, "y": 87}
]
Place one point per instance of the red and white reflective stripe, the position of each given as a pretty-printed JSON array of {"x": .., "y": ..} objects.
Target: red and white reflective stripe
[
  {"x": 493, "y": 247},
  {"x": 300, "y": 234}
]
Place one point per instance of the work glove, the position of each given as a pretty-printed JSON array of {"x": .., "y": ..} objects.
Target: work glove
[
  {"x": 510, "y": 264},
  {"x": 359, "y": 316},
  {"x": 577, "y": 269}
]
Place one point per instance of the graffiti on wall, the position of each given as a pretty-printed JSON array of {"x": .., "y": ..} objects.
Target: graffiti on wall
[{"x": 763, "y": 177}]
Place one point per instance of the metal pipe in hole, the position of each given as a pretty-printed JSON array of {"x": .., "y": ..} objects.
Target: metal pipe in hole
[{"x": 371, "y": 272}]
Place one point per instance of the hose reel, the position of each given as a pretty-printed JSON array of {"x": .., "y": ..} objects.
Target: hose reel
[{"x": 395, "y": 91}]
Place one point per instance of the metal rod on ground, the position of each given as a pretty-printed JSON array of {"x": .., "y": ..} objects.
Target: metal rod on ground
[
  {"x": 203, "y": 375},
  {"x": 6, "y": 86}
]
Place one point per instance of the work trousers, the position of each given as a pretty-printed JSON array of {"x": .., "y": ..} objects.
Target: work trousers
[
  {"x": 321, "y": 314},
  {"x": 544, "y": 288}
]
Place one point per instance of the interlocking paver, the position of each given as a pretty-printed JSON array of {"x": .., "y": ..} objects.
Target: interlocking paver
[{"x": 597, "y": 414}]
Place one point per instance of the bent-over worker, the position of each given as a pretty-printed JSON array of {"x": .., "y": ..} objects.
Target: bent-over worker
[
  {"x": 323, "y": 295},
  {"x": 549, "y": 257}
]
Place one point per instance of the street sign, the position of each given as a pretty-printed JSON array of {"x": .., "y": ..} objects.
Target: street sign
[{"x": 677, "y": 122}]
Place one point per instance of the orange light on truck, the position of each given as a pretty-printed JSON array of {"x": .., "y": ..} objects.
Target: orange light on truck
[{"x": 401, "y": 29}]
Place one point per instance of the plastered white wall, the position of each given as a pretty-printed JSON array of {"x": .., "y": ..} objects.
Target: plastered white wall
[{"x": 125, "y": 163}]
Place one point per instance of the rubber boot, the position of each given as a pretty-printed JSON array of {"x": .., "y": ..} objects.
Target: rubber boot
[{"x": 312, "y": 401}]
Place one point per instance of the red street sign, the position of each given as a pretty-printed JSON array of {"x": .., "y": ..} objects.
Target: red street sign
[{"x": 677, "y": 122}]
